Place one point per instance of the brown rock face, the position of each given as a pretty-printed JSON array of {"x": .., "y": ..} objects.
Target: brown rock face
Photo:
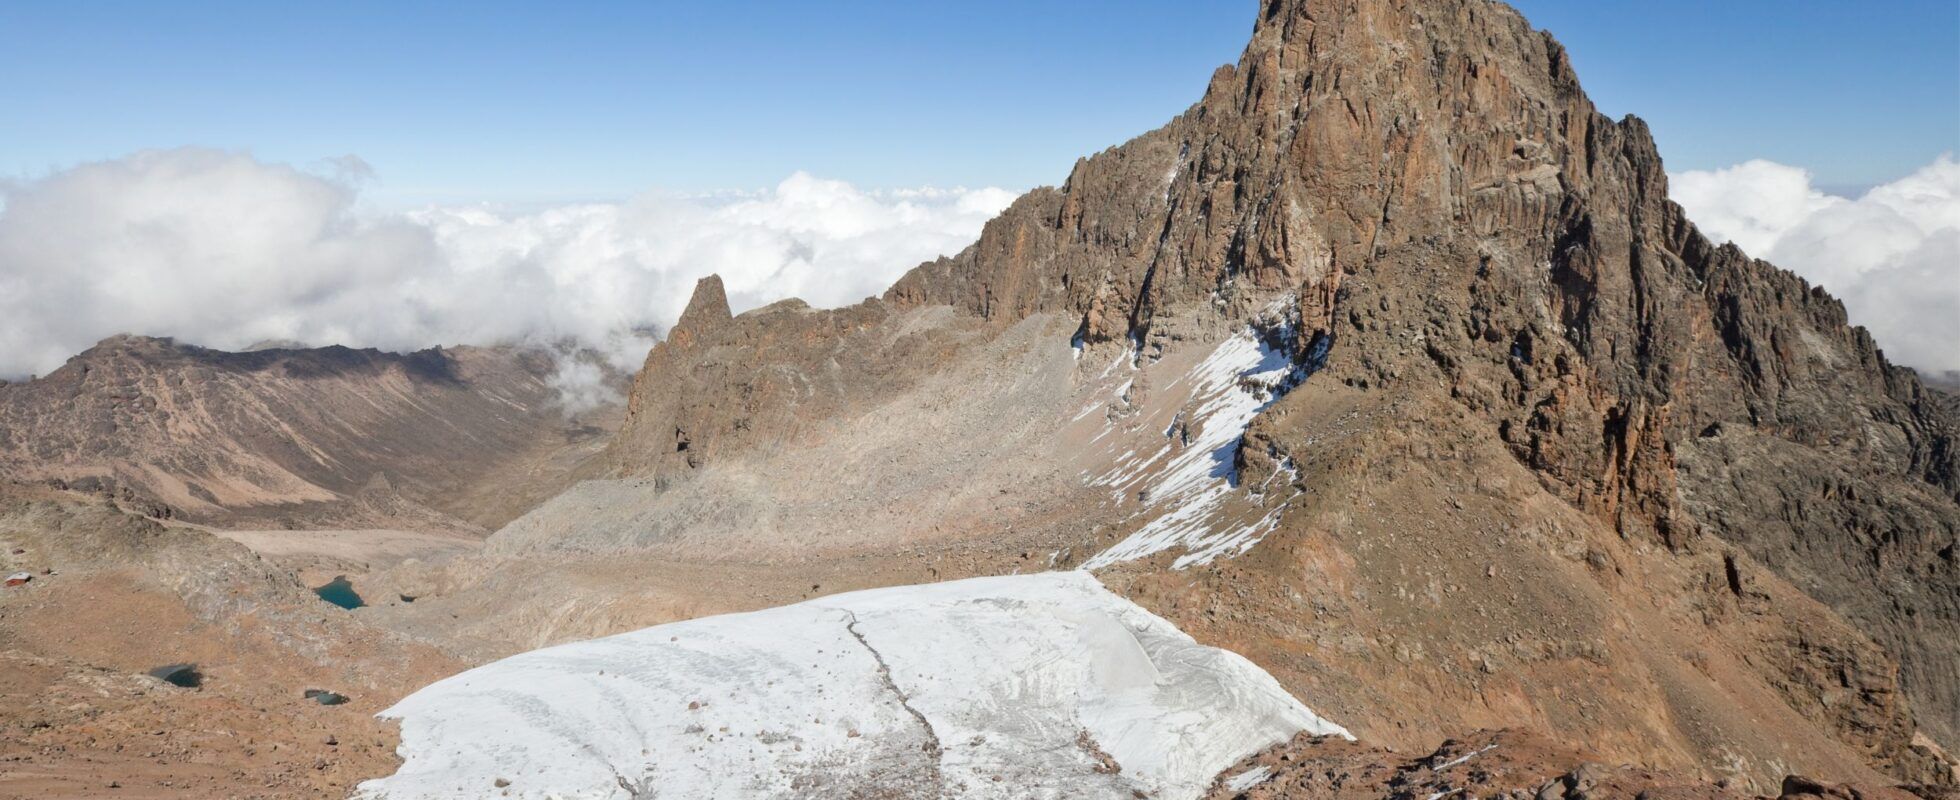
[
  {"x": 722, "y": 384},
  {"x": 457, "y": 439},
  {"x": 1430, "y": 180}
]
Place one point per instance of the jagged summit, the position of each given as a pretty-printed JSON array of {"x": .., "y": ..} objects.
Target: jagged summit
[
  {"x": 707, "y": 308},
  {"x": 1344, "y": 131}
]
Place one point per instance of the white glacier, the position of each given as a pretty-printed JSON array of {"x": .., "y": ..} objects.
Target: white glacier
[{"x": 1033, "y": 686}]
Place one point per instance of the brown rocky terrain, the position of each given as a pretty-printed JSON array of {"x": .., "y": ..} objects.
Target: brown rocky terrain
[
  {"x": 1520, "y": 447},
  {"x": 458, "y": 439},
  {"x": 115, "y": 596},
  {"x": 1388, "y": 365},
  {"x": 1495, "y": 764},
  {"x": 174, "y": 503}
]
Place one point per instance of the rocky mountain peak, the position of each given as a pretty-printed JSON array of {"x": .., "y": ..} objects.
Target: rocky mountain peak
[
  {"x": 707, "y": 311},
  {"x": 1345, "y": 131},
  {"x": 1427, "y": 192}
]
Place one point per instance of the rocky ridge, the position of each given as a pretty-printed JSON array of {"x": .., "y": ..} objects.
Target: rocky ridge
[{"x": 457, "y": 439}]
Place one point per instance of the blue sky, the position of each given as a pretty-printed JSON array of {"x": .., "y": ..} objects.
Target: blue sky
[{"x": 524, "y": 103}]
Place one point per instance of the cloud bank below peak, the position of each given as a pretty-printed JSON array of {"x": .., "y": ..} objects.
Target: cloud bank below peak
[
  {"x": 1891, "y": 255},
  {"x": 224, "y": 250}
]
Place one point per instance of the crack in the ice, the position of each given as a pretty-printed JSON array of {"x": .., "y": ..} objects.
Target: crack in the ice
[
  {"x": 932, "y": 747},
  {"x": 635, "y": 790}
]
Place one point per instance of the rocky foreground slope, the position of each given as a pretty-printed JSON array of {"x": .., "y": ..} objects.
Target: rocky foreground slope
[
  {"x": 1389, "y": 365},
  {"x": 112, "y": 598},
  {"x": 457, "y": 439}
]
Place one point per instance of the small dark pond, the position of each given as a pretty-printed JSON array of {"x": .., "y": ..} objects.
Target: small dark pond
[
  {"x": 325, "y": 698},
  {"x": 339, "y": 592},
  {"x": 182, "y": 675}
]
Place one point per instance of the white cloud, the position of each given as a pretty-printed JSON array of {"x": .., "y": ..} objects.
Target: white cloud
[
  {"x": 1892, "y": 255},
  {"x": 221, "y": 249}
]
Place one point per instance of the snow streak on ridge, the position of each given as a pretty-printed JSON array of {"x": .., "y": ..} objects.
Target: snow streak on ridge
[{"x": 1242, "y": 377}]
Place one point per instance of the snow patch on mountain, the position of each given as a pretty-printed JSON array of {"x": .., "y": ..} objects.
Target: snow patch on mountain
[
  {"x": 1030, "y": 686},
  {"x": 1242, "y": 377}
]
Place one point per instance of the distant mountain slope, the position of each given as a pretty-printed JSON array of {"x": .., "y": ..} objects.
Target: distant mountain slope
[{"x": 459, "y": 438}]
